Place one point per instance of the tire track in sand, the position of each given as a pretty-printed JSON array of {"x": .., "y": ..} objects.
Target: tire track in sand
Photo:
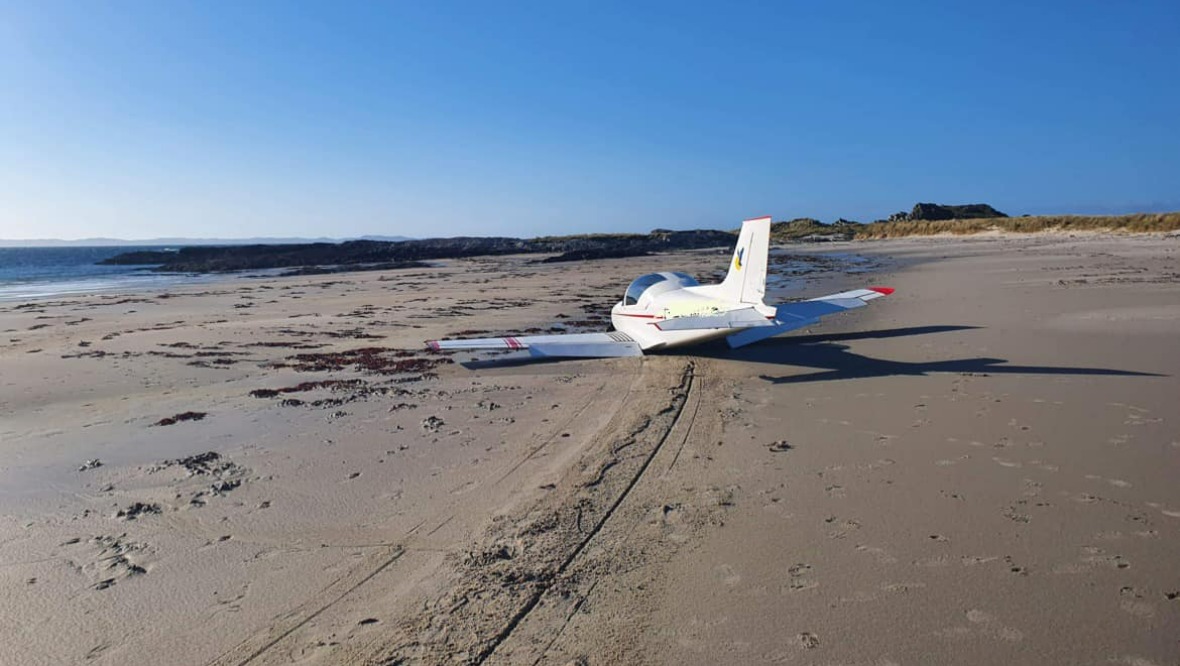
[
  {"x": 285, "y": 627},
  {"x": 491, "y": 589}
]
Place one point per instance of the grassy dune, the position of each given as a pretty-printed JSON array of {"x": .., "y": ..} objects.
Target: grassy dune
[{"x": 1137, "y": 223}]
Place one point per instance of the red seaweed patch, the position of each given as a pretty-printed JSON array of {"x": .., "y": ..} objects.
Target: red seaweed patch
[
  {"x": 373, "y": 360},
  {"x": 330, "y": 384}
]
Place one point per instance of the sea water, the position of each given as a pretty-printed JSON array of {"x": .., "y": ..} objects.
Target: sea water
[{"x": 28, "y": 273}]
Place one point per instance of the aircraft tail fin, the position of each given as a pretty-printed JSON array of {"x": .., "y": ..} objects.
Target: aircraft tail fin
[{"x": 746, "y": 280}]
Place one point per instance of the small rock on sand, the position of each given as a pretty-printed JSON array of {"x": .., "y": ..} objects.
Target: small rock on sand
[
  {"x": 136, "y": 510},
  {"x": 432, "y": 424}
]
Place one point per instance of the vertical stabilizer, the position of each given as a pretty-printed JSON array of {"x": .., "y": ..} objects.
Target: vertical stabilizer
[{"x": 746, "y": 280}]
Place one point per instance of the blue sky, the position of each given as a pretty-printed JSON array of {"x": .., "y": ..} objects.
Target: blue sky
[{"x": 219, "y": 119}]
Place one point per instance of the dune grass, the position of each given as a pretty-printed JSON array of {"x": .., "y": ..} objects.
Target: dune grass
[{"x": 1136, "y": 223}]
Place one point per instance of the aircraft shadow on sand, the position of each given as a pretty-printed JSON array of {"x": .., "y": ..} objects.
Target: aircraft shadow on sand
[{"x": 835, "y": 361}]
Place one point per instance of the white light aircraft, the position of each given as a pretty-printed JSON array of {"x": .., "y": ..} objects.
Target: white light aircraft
[{"x": 664, "y": 310}]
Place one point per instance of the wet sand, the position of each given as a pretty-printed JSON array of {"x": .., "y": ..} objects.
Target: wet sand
[{"x": 981, "y": 468}]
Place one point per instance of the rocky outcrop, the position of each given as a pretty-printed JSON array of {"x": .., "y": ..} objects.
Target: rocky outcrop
[
  {"x": 933, "y": 211},
  {"x": 370, "y": 253},
  {"x": 807, "y": 229},
  {"x": 600, "y": 253}
]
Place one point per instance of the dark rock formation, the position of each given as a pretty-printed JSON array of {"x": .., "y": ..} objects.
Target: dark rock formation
[
  {"x": 932, "y": 211},
  {"x": 810, "y": 230},
  {"x": 357, "y": 254},
  {"x": 598, "y": 253}
]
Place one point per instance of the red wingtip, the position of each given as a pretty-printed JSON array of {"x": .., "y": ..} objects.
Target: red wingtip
[
  {"x": 433, "y": 344},
  {"x": 884, "y": 291}
]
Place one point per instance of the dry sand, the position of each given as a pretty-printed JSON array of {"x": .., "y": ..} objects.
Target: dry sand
[{"x": 980, "y": 469}]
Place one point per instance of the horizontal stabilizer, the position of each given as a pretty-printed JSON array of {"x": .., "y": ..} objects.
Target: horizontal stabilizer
[
  {"x": 790, "y": 316},
  {"x": 752, "y": 335}
]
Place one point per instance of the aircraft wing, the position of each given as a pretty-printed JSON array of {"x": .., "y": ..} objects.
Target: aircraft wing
[
  {"x": 790, "y": 316},
  {"x": 586, "y": 345}
]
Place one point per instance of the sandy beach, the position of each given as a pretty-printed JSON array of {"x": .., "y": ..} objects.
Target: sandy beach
[{"x": 982, "y": 468}]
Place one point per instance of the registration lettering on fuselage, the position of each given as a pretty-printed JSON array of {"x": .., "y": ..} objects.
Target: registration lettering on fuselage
[{"x": 690, "y": 309}]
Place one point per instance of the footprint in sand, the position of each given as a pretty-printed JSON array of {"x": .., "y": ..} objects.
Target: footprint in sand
[
  {"x": 808, "y": 640},
  {"x": 988, "y": 625},
  {"x": 883, "y": 556},
  {"x": 902, "y": 587},
  {"x": 727, "y": 575},
  {"x": 798, "y": 578},
  {"x": 1132, "y": 602},
  {"x": 1133, "y": 660}
]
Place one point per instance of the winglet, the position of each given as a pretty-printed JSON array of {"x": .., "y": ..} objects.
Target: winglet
[{"x": 884, "y": 291}]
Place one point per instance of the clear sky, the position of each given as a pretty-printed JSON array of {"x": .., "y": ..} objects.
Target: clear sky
[{"x": 231, "y": 119}]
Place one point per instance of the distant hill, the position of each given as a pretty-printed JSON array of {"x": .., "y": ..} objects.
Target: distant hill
[{"x": 182, "y": 242}]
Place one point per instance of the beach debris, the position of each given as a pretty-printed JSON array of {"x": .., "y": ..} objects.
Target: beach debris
[
  {"x": 808, "y": 640},
  {"x": 432, "y": 424},
  {"x": 224, "y": 474},
  {"x": 349, "y": 390},
  {"x": 373, "y": 360},
  {"x": 209, "y": 462},
  {"x": 137, "y": 509},
  {"x": 781, "y": 445},
  {"x": 303, "y": 387},
  {"x": 90, "y": 464},
  {"x": 222, "y": 487},
  {"x": 183, "y": 416},
  {"x": 368, "y": 620}
]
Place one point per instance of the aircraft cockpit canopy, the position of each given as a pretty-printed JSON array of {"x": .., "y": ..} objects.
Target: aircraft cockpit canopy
[{"x": 643, "y": 283}]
